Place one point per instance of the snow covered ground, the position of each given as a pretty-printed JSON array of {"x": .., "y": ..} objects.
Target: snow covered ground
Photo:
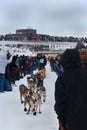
[{"x": 13, "y": 117}]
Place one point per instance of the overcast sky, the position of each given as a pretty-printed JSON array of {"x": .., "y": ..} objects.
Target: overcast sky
[{"x": 53, "y": 17}]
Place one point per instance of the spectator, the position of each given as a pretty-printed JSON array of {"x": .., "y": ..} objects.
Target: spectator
[
  {"x": 7, "y": 84},
  {"x": 71, "y": 93},
  {"x": 52, "y": 61},
  {"x": 13, "y": 70},
  {"x": 59, "y": 70},
  {"x": 3, "y": 63},
  {"x": 30, "y": 66}
]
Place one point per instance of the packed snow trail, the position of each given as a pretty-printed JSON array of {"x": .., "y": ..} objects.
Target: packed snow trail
[{"x": 12, "y": 115}]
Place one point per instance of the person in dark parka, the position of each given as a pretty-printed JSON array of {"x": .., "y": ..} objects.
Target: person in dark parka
[
  {"x": 71, "y": 93},
  {"x": 13, "y": 70}
]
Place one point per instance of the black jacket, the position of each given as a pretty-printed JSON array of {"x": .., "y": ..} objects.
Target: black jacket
[{"x": 71, "y": 94}]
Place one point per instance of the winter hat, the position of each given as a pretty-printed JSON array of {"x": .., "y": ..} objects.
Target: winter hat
[{"x": 70, "y": 59}]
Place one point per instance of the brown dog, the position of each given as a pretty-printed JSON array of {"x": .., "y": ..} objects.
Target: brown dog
[
  {"x": 23, "y": 91},
  {"x": 34, "y": 102}
]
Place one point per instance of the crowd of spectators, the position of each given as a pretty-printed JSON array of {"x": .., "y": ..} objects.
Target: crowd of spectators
[
  {"x": 23, "y": 65},
  {"x": 18, "y": 67}
]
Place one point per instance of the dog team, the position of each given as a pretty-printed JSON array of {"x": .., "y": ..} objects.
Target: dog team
[{"x": 35, "y": 94}]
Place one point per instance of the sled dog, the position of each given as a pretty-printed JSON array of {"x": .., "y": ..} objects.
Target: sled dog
[{"x": 23, "y": 91}]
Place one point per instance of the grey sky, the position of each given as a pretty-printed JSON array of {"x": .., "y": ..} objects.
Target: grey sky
[{"x": 53, "y": 17}]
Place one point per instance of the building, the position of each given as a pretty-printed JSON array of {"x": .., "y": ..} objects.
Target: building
[
  {"x": 22, "y": 35},
  {"x": 26, "y": 31}
]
